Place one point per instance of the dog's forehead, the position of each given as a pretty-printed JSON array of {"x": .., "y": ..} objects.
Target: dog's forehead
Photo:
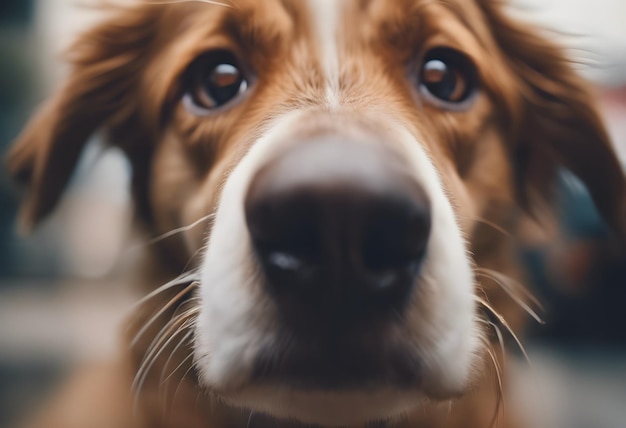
[{"x": 336, "y": 17}]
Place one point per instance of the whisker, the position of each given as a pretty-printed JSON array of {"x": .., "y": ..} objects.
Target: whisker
[
  {"x": 182, "y": 363},
  {"x": 150, "y": 359},
  {"x": 165, "y": 389},
  {"x": 181, "y": 279},
  {"x": 177, "y": 231},
  {"x": 181, "y": 342},
  {"x": 250, "y": 419},
  {"x": 500, "y": 391},
  {"x": 497, "y": 330},
  {"x": 171, "y": 356},
  {"x": 169, "y": 304},
  {"x": 500, "y": 341},
  {"x": 157, "y": 346},
  {"x": 513, "y": 296},
  {"x": 179, "y": 325},
  {"x": 164, "y": 331},
  {"x": 508, "y": 328},
  {"x": 180, "y": 383},
  {"x": 193, "y": 256},
  {"x": 510, "y": 281}
]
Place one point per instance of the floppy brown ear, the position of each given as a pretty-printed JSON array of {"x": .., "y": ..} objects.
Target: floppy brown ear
[
  {"x": 101, "y": 88},
  {"x": 560, "y": 123}
]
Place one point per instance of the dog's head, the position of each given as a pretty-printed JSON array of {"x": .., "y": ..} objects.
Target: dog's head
[{"x": 347, "y": 150}]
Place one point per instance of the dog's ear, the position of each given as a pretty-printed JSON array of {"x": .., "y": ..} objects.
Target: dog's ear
[
  {"x": 560, "y": 123},
  {"x": 101, "y": 89}
]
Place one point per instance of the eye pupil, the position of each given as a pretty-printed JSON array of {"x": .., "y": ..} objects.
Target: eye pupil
[
  {"x": 435, "y": 70},
  {"x": 439, "y": 79},
  {"x": 213, "y": 81},
  {"x": 225, "y": 75},
  {"x": 224, "y": 83},
  {"x": 447, "y": 76}
]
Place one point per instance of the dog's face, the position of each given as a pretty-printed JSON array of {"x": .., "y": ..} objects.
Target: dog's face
[{"x": 345, "y": 151}]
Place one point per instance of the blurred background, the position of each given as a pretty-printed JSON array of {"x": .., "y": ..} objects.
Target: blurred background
[{"x": 63, "y": 295}]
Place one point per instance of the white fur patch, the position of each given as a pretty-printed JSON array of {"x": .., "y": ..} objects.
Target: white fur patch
[{"x": 326, "y": 18}]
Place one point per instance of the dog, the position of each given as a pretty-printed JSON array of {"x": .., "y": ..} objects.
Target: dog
[{"x": 356, "y": 172}]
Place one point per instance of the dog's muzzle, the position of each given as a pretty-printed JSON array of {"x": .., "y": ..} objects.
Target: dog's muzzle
[{"x": 335, "y": 276}]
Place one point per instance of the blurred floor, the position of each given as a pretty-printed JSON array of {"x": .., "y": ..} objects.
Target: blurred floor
[
  {"x": 46, "y": 329},
  {"x": 580, "y": 387}
]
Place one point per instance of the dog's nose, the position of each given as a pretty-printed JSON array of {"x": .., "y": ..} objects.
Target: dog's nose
[{"x": 340, "y": 225}]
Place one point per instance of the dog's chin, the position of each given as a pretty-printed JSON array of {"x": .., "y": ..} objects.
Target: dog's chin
[
  {"x": 330, "y": 392},
  {"x": 327, "y": 407}
]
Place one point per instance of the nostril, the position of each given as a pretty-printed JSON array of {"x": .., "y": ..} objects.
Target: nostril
[
  {"x": 394, "y": 244},
  {"x": 285, "y": 238},
  {"x": 288, "y": 272},
  {"x": 396, "y": 235}
]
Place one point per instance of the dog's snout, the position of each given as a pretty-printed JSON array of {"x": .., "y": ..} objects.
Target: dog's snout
[{"x": 338, "y": 225}]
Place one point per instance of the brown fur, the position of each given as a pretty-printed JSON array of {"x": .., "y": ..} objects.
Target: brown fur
[{"x": 534, "y": 115}]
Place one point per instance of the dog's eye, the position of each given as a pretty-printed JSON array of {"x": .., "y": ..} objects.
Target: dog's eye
[
  {"x": 447, "y": 77},
  {"x": 213, "y": 81}
]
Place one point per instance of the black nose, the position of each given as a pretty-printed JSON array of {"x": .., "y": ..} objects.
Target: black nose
[{"x": 338, "y": 227}]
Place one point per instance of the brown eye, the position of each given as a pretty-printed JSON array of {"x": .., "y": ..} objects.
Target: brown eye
[
  {"x": 214, "y": 80},
  {"x": 448, "y": 77}
]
